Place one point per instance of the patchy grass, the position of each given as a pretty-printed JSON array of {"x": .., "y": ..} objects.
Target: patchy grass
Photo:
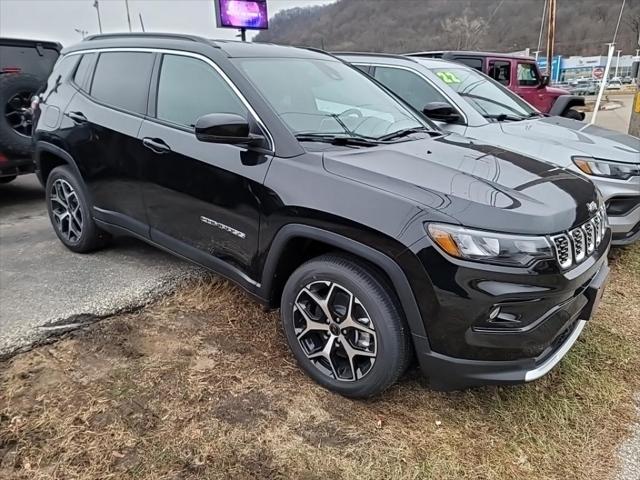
[{"x": 201, "y": 385}]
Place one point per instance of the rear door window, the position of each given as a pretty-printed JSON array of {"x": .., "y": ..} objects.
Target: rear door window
[
  {"x": 410, "y": 86},
  {"x": 121, "y": 80},
  {"x": 189, "y": 88},
  {"x": 500, "y": 71}
]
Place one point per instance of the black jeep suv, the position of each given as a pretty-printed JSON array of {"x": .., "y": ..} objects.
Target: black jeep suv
[{"x": 317, "y": 190}]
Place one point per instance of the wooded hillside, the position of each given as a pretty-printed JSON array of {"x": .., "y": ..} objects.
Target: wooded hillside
[{"x": 583, "y": 26}]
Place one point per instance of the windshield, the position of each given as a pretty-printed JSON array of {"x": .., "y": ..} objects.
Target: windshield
[
  {"x": 326, "y": 97},
  {"x": 487, "y": 96}
]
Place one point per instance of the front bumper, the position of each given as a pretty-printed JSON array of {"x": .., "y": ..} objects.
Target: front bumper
[
  {"x": 450, "y": 373},
  {"x": 542, "y": 313},
  {"x": 625, "y": 227}
]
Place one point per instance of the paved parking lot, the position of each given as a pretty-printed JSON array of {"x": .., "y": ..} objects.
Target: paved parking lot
[{"x": 44, "y": 286}]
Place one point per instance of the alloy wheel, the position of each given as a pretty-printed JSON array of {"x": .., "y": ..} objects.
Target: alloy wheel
[
  {"x": 18, "y": 113},
  {"x": 335, "y": 331},
  {"x": 65, "y": 207}
]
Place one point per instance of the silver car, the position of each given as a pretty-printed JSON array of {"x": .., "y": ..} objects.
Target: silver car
[{"x": 463, "y": 100}]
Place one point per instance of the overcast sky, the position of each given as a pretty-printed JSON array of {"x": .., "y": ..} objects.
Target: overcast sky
[{"x": 57, "y": 19}]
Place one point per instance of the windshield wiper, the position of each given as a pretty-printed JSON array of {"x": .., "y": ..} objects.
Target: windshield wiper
[
  {"x": 501, "y": 117},
  {"x": 336, "y": 139},
  {"x": 407, "y": 131}
]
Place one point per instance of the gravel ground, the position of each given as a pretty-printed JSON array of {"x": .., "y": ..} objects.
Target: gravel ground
[
  {"x": 629, "y": 452},
  {"x": 44, "y": 286}
]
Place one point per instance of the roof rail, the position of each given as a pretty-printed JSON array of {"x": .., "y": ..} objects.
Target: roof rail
[
  {"x": 373, "y": 54},
  {"x": 170, "y": 36}
]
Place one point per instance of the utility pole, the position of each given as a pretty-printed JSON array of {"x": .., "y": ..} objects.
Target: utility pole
[
  {"x": 551, "y": 36},
  {"x": 126, "y": 3},
  {"x": 96, "y": 5}
]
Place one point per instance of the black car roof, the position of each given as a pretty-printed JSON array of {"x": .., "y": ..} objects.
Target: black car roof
[{"x": 232, "y": 48}]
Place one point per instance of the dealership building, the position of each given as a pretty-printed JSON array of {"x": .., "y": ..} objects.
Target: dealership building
[{"x": 566, "y": 69}]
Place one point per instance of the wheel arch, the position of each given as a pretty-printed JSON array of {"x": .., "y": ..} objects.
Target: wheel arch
[
  {"x": 279, "y": 265},
  {"x": 564, "y": 102},
  {"x": 48, "y": 156}
]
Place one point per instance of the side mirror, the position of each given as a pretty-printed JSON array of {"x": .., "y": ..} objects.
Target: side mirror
[
  {"x": 544, "y": 82},
  {"x": 225, "y": 128},
  {"x": 441, "y": 111}
]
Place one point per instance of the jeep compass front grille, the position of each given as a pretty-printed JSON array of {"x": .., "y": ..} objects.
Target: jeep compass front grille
[{"x": 575, "y": 246}]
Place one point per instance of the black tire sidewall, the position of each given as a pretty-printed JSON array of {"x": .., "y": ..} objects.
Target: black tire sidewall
[
  {"x": 572, "y": 113},
  {"x": 90, "y": 235},
  {"x": 385, "y": 315}
]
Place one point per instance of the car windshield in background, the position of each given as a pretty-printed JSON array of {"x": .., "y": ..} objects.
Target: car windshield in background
[
  {"x": 490, "y": 99},
  {"x": 326, "y": 97}
]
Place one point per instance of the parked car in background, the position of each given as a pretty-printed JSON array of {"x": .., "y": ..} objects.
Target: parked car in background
[
  {"x": 522, "y": 76},
  {"x": 24, "y": 67},
  {"x": 467, "y": 102},
  {"x": 585, "y": 87},
  {"x": 379, "y": 236},
  {"x": 627, "y": 80},
  {"x": 614, "y": 84}
]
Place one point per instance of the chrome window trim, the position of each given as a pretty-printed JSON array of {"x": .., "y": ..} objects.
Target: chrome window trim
[
  {"x": 426, "y": 79},
  {"x": 198, "y": 56}
]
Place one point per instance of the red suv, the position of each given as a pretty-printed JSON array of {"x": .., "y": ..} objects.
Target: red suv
[{"x": 521, "y": 75}]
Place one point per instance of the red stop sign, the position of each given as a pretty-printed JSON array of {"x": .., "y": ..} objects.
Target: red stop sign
[{"x": 598, "y": 72}]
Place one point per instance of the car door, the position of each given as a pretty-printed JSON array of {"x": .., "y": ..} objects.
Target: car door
[
  {"x": 529, "y": 86},
  {"x": 202, "y": 198},
  {"x": 104, "y": 118},
  {"x": 416, "y": 90}
]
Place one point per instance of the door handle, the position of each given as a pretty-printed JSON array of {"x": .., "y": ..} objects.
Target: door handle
[
  {"x": 156, "y": 145},
  {"x": 77, "y": 117}
]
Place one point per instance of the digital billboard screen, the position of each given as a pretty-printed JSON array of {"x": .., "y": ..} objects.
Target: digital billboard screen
[{"x": 251, "y": 14}]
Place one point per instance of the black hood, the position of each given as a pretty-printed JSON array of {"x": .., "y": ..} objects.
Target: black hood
[{"x": 478, "y": 185}]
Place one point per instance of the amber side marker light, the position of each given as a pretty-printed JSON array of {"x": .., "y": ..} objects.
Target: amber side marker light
[{"x": 445, "y": 241}]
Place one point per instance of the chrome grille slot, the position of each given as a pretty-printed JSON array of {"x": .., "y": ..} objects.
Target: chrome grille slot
[
  {"x": 579, "y": 247},
  {"x": 597, "y": 223},
  {"x": 576, "y": 245},
  {"x": 563, "y": 250},
  {"x": 590, "y": 236}
]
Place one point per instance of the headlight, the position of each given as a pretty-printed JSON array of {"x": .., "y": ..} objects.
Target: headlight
[
  {"x": 605, "y": 168},
  {"x": 489, "y": 247}
]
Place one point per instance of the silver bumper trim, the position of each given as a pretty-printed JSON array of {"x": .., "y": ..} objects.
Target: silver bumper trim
[{"x": 553, "y": 360}]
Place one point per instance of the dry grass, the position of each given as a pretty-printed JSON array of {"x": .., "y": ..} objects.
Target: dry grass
[{"x": 201, "y": 385}]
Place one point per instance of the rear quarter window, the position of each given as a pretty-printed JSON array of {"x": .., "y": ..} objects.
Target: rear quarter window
[{"x": 121, "y": 80}]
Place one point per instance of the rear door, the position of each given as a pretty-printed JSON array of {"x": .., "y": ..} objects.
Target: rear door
[
  {"x": 104, "y": 118},
  {"x": 202, "y": 198}
]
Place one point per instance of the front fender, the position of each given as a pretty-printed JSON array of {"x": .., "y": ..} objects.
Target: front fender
[{"x": 564, "y": 102}]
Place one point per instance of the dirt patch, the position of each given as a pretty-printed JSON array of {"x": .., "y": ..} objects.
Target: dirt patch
[{"x": 201, "y": 385}]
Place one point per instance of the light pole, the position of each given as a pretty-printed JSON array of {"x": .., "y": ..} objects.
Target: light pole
[
  {"x": 96, "y": 5},
  {"x": 617, "y": 63}
]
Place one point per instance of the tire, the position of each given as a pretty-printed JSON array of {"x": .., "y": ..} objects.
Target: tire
[
  {"x": 16, "y": 91},
  {"x": 379, "y": 355},
  {"x": 70, "y": 212},
  {"x": 573, "y": 113},
  {"x": 8, "y": 179}
]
